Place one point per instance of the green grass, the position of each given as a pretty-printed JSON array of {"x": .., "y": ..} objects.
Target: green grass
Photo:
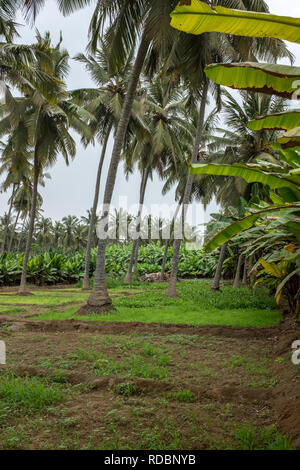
[
  {"x": 197, "y": 305},
  {"x": 251, "y": 438},
  {"x": 134, "y": 366},
  {"x": 125, "y": 389},
  {"x": 183, "y": 396},
  {"x": 176, "y": 314},
  {"x": 31, "y": 394},
  {"x": 7, "y": 310},
  {"x": 47, "y": 298}
]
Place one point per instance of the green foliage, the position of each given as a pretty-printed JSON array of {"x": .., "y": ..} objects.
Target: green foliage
[
  {"x": 280, "y": 268},
  {"x": 126, "y": 389},
  {"x": 31, "y": 394},
  {"x": 268, "y": 438},
  {"x": 53, "y": 267},
  {"x": 184, "y": 396}
]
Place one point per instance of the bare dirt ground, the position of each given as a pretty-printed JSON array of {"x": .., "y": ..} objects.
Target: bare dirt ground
[{"x": 152, "y": 386}]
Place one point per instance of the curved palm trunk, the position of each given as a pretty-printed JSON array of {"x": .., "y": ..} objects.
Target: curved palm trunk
[
  {"x": 164, "y": 260},
  {"x": 135, "y": 246},
  {"x": 218, "y": 273},
  {"x": 86, "y": 279},
  {"x": 13, "y": 231},
  {"x": 99, "y": 300},
  {"x": 237, "y": 279},
  {"x": 171, "y": 292},
  {"x": 22, "y": 288},
  {"x": 8, "y": 218}
]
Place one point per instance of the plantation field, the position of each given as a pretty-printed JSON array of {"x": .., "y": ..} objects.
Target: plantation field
[
  {"x": 196, "y": 305},
  {"x": 204, "y": 371},
  {"x": 53, "y": 267}
]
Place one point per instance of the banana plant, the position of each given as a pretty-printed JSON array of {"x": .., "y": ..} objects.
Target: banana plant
[{"x": 282, "y": 182}]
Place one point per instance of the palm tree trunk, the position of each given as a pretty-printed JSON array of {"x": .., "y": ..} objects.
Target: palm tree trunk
[
  {"x": 237, "y": 279},
  {"x": 99, "y": 300},
  {"x": 13, "y": 231},
  {"x": 171, "y": 292},
  {"x": 164, "y": 260},
  {"x": 135, "y": 245},
  {"x": 86, "y": 279},
  {"x": 217, "y": 278},
  {"x": 21, "y": 234},
  {"x": 8, "y": 218},
  {"x": 22, "y": 288},
  {"x": 245, "y": 273}
]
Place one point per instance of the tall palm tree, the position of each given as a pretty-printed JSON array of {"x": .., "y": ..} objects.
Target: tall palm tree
[
  {"x": 151, "y": 19},
  {"x": 22, "y": 197},
  {"x": 169, "y": 138},
  {"x": 40, "y": 122},
  {"x": 192, "y": 54},
  {"x": 57, "y": 233},
  {"x": 15, "y": 163},
  {"x": 105, "y": 102},
  {"x": 43, "y": 231},
  {"x": 69, "y": 223}
]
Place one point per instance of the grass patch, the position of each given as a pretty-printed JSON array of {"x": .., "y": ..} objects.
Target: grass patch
[
  {"x": 6, "y": 310},
  {"x": 30, "y": 394},
  {"x": 175, "y": 314},
  {"x": 132, "y": 367},
  {"x": 251, "y": 438},
  {"x": 197, "y": 304},
  {"x": 183, "y": 396},
  {"x": 258, "y": 367},
  {"x": 126, "y": 389}
]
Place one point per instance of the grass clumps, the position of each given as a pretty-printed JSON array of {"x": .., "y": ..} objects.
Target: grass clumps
[
  {"x": 184, "y": 396},
  {"x": 125, "y": 389},
  {"x": 29, "y": 393},
  {"x": 251, "y": 438}
]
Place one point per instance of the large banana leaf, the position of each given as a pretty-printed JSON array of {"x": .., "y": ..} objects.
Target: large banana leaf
[
  {"x": 195, "y": 17},
  {"x": 286, "y": 121},
  {"x": 252, "y": 174},
  {"x": 244, "y": 224},
  {"x": 290, "y": 139},
  {"x": 271, "y": 79}
]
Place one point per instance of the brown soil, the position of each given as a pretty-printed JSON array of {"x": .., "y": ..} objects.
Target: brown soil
[
  {"x": 127, "y": 328},
  {"x": 201, "y": 360}
]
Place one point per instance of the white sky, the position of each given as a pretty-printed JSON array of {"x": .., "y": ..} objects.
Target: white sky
[{"x": 70, "y": 191}]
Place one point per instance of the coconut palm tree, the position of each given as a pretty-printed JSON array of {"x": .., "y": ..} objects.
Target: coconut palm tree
[
  {"x": 150, "y": 19},
  {"x": 15, "y": 163},
  {"x": 39, "y": 122},
  {"x": 22, "y": 197},
  {"x": 238, "y": 144},
  {"x": 69, "y": 223},
  {"x": 43, "y": 228},
  {"x": 105, "y": 102},
  {"x": 57, "y": 233},
  {"x": 169, "y": 138},
  {"x": 192, "y": 53}
]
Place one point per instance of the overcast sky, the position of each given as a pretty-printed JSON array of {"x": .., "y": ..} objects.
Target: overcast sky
[{"x": 70, "y": 191}]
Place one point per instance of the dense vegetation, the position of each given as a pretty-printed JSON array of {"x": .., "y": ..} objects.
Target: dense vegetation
[
  {"x": 153, "y": 101},
  {"x": 54, "y": 267}
]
